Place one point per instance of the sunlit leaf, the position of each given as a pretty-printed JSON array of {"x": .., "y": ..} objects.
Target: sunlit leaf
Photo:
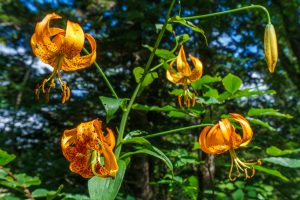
[
  {"x": 267, "y": 112},
  {"x": 106, "y": 188},
  {"x": 147, "y": 148},
  {"x": 272, "y": 172},
  {"x": 111, "y": 106},
  {"x": 139, "y": 73},
  {"x": 286, "y": 162},
  {"x": 162, "y": 53},
  {"x": 25, "y": 180},
  {"x": 6, "y": 158},
  {"x": 153, "y": 108},
  {"x": 275, "y": 151},
  {"x": 261, "y": 123},
  {"x": 204, "y": 80},
  {"x": 232, "y": 83}
]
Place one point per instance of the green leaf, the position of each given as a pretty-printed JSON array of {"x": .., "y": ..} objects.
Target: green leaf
[
  {"x": 177, "y": 114},
  {"x": 135, "y": 133},
  {"x": 286, "y": 162},
  {"x": 232, "y": 83},
  {"x": 149, "y": 78},
  {"x": 267, "y": 112},
  {"x": 153, "y": 108},
  {"x": 177, "y": 92},
  {"x": 147, "y": 149},
  {"x": 40, "y": 192},
  {"x": 261, "y": 123},
  {"x": 162, "y": 53},
  {"x": 111, "y": 106},
  {"x": 211, "y": 93},
  {"x": 206, "y": 79},
  {"x": 138, "y": 74},
  {"x": 182, "y": 38},
  {"x": 238, "y": 194},
  {"x": 25, "y": 180},
  {"x": 271, "y": 172},
  {"x": 169, "y": 28},
  {"x": 106, "y": 188},
  {"x": 275, "y": 151},
  {"x": 6, "y": 158},
  {"x": 188, "y": 24}
]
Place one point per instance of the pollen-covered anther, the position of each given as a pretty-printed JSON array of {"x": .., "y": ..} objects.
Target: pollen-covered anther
[{"x": 65, "y": 93}]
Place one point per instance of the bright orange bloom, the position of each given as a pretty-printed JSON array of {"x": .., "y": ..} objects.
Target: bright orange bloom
[
  {"x": 223, "y": 137},
  {"x": 61, "y": 49},
  {"x": 89, "y": 151},
  {"x": 185, "y": 75}
]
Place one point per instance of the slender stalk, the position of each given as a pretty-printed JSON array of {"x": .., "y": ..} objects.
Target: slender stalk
[
  {"x": 160, "y": 64},
  {"x": 231, "y": 11},
  {"x": 103, "y": 76},
  {"x": 134, "y": 95},
  {"x": 176, "y": 130}
]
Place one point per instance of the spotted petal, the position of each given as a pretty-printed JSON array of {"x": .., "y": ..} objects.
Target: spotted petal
[
  {"x": 173, "y": 76},
  {"x": 197, "y": 71},
  {"x": 73, "y": 41},
  {"x": 247, "y": 131},
  {"x": 183, "y": 66},
  {"x": 80, "y": 62}
]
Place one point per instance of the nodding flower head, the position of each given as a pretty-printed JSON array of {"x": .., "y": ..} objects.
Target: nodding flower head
[
  {"x": 222, "y": 137},
  {"x": 60, "y": 49},
  {"x": 185, "y": 75},
  {"x": 89, "y": 150}
]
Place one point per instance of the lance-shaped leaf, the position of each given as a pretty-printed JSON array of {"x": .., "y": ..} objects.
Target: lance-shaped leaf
[{"x": 107, "y": 188}]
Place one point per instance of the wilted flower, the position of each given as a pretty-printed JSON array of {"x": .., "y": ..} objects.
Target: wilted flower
[
  {"x": 89, "y": 150},
  {"x": 223, "y": 137},
  {"x": 270, "y": 47},
  {"x": 61, "y": 49},
  {"x": 185, "y": 75}
]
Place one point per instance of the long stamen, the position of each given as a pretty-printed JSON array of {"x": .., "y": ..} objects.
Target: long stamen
[{"x": 243, "y": 166}]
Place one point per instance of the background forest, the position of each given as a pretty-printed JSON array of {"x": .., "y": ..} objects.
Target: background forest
[{"x": 31, "y": 129}]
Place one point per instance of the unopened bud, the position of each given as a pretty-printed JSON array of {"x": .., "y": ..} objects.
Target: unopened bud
[{"x": 270, "y": 46}]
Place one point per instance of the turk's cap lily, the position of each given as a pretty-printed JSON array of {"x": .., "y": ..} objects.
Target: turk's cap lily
[
  {"x": 270, "y": 47},
  {"x": 185, "y": 75},
  {"x": 222, "y": 137},
  {"x": 89, "y": 150},
  {"x": 61, "y": 49}
]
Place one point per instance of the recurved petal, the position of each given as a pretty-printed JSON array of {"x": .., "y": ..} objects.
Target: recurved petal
[
  {"x": 68, "y": 137},
  {"x": 73, "y": 41},
  {"x": 80, "y": 62},
  {"x": 247, "y": 130},
  {"x": 43, "y": 34},
  {"x": 41, "y": 51},
  {"x": 215, "y": 140},
  {"x": 109, "y": 139},
  {"x": 198, "y": 69},
  {"x": 183, "y": 66},
  {"x": 226, "y": 131},
  {"x": 173, "y": 76},
  {"x": 110, "y": 162}
]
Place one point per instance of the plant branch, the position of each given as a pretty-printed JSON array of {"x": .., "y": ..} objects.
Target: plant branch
[
  {"x": 103, "y": 76},
  {"x": 230, "y": 11},
  {"x": 176, "y": 130},
  {"x": 24, "y": 188},
  {"x": 135, "y": 93}
]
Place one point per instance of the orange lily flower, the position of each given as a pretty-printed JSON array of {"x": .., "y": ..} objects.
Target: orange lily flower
[
  {"x": 185, "y": 75},
  {"x": 61, "y": 49},
  {"x": 223, "y": 137},
  {"x": 89, "y": 151}
]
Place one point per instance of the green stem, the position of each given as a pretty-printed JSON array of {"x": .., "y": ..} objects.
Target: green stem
[
  {"x": 176, "y": 130},
  {"x": 135, "y": 93},
  {"x": 231, "y": 11},
  {"x": 104, "y": 77},
  {"x": 160, "y": 64}
]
